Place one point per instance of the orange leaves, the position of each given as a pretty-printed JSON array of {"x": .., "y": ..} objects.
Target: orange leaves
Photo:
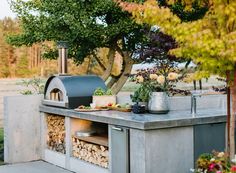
[
  {"x": 129, "y": 6},
  {"x": 149, "y": 12}
]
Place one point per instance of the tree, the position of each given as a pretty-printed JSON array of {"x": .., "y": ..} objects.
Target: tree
[
  {"x": 209, "y": 42},
  {"x": 7, "y": 53},
  {"x": 186, "y": 10},
  {"x": 22, "y": 68},
  {"x": 86, "y": 25},
  {"x": 156, "y": 47}
]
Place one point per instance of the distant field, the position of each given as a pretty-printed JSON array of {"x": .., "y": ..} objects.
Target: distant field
[{"x": 1, "y": 147}]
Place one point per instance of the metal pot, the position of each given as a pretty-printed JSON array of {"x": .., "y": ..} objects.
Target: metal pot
[{"x": 158, "y": 103}]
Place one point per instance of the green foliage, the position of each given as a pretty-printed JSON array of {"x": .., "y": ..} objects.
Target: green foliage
[
  {"x": 35, "y": 85},
  {"x": 195, "y": 12},
  {"x": 102, "y": 92},
  {"x": 109, "y": 92},
  {"x": 1, "y": 136},
  {"x": 99, "y": 92},
  {"x": 142, "y": 94},
  {"x": 86, "y": 25},
  {"x": 208, "y": 42}
]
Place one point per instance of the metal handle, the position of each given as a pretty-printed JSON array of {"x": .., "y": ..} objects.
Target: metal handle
[{"x": 117, "y": 128}]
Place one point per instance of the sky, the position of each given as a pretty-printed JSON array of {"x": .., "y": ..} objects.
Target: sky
[{"x": 5, "y": 9}]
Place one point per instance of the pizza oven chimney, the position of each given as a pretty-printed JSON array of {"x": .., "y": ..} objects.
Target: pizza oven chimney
[{"x": 63, "y": 55}]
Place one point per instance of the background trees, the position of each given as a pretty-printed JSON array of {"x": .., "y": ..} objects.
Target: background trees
[
  {"x": 28, "y": 61},
  {"x": 86, "y": 25},
  {"x": 6, "y": 51},
  {"x": 17, "y": 62}
]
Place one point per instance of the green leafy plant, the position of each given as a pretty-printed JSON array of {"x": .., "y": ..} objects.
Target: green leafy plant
[
  {"x": 35, "y": 85},
  {"x": 109, "y": 92},
  {"x": 142, "y": 94},
  {"x": 102, "y": 92}
]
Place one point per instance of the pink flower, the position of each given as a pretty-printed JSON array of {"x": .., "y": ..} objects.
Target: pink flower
[
  {"x": 233, "y": 168},
  {"x": 211, "y": 166},
  {"x": 218, "y": 172}
]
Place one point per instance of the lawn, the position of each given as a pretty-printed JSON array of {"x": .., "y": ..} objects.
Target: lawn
[{"x": 1, "y": 146}]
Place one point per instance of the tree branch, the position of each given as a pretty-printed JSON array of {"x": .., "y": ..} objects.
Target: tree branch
[
  {"x": 128, "y": 64},
  {"x": 111, "y": 57}
]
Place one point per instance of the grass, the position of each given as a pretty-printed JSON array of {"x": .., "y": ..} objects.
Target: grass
[{"x": 1, "y": 146}]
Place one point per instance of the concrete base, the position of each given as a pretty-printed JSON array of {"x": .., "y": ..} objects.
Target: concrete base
[
  {"x": 32, "y": 167},
  {"x": 161, "y": 151}
]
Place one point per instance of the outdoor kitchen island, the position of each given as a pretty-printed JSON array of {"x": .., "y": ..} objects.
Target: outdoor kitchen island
[{"x": 140, "y": 143}]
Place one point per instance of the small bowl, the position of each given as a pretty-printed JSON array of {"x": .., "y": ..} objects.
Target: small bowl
[
  {"x": 138, "y": 109},
  {"x": 85, "y": 133}
]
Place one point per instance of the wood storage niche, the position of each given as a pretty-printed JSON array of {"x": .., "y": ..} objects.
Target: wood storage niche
[
  {"x": 56, "y": 133},
  {"x": 94, "y": 148}
]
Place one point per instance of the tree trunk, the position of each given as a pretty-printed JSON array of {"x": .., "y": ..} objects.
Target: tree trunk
[
  {"x": 232, "y": 118},
  {"x": 128, "y": 63},
  {"x": 194, "y": 85},
  {"x": 228, "y": 113},
  {"x": 88, "y": 67},
  {"x": 100, "y": 63},
  {"x": 112, "y": 82},
  {"x": 111, "y": 57},
  {"x": 200, "y": 84}
]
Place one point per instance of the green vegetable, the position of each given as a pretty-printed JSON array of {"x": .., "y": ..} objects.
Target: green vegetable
[
  {"x": 99, "y": 92},
  {"x": 102, "y": 92},
  {"x": 109, "y": 92}
]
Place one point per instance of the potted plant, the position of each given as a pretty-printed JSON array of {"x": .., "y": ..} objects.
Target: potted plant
[
  {"x": 159, "y": 82},
  {"x": 141, "y": 95},
  {"x": 103, "y": 98},
  {"x": 158, "y": 102}
]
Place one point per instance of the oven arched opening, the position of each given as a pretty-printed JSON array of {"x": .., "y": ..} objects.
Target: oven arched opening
[{"x": 56, "y": 95}]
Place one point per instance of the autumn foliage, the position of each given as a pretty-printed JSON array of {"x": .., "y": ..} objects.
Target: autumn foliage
[{"x": 209, "y": 42}]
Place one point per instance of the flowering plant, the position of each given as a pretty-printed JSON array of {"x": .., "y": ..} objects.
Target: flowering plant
[
  {"x": 217, "y": 162},
  {"x": 156, "y": 80}
]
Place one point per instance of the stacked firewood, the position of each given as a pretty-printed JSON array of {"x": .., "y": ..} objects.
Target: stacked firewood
[
  {"x": 56, "y": 133},
  {"x": 92, "y": 153}
]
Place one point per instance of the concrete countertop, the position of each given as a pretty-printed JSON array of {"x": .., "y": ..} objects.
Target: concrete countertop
[{"x": 143, "y": 121}]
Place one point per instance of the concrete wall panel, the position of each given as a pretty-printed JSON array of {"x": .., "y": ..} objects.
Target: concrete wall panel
[{"x": 22, "y": 128}]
